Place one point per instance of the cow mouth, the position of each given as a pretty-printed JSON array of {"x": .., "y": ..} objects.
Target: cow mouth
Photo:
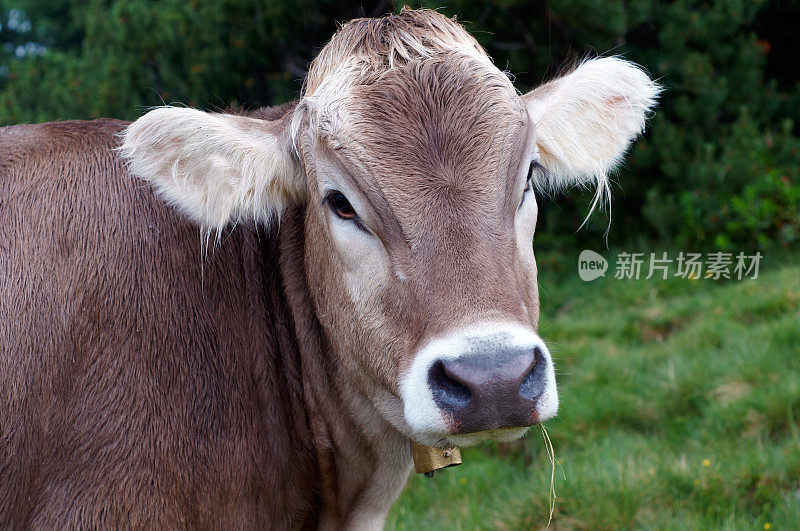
[
  {"x": 496, "y": 434},
  {"x": 463, "y": 440}
]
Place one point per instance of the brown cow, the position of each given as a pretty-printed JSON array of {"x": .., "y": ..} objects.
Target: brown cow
[{"x": 363, "y": 277}]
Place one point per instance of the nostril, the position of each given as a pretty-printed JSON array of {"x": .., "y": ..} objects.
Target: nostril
[
  {"x": 534, "y": 383},
  {"x": 448, "y": 392}
]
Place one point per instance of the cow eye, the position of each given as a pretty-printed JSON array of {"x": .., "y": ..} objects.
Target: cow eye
[
  {"x": 340, "y": 205},
  {"x": 528, "y": 185},
  {"x": 534, "y": 167}
]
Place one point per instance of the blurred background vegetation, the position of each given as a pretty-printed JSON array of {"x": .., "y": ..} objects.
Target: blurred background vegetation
[{"x": 718, "y": 168}]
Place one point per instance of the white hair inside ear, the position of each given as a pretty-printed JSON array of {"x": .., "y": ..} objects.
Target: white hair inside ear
[
  {"x": 586, "y": 120},
  {"x": 215, "y": 168}
]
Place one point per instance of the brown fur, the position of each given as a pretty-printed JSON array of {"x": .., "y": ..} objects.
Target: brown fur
[{"x": 140, "y": 385}]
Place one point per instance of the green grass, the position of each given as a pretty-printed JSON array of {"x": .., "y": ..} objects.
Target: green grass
[{"x": 680, "y": 409}]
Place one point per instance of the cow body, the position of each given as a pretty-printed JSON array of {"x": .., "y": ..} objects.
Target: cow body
[
  {"x": 143, "y": 383},
  {"x": 362, "y": 278}
]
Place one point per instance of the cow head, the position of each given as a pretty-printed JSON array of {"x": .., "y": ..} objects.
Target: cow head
[{"x": 415, "y": 158}]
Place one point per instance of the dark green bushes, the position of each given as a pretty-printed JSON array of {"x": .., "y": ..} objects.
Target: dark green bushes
[{"x": 718, "y": 168}]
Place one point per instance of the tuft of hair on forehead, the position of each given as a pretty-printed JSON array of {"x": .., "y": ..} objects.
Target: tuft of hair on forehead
[{"x": 389, "y": 42}]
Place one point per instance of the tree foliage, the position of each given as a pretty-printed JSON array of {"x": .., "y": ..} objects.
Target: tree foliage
[{"x": 718, "y": 167}]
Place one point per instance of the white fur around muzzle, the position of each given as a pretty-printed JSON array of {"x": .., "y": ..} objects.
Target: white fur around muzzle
[{"x": 426, "y": 420}]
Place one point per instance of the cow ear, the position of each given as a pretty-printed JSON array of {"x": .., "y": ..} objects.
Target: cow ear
[
  {"x": 585, "y": 120},
  {"x": 216, "y": 168}
]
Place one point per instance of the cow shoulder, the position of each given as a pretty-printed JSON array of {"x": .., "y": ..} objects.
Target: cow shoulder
[{"x": 116, "y": 329}]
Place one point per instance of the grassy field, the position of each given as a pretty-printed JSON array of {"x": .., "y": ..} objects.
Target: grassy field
[{"x": 680, "y": 408}]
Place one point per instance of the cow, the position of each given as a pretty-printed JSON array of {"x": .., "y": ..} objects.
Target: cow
[{"x": 236, "y": 320}]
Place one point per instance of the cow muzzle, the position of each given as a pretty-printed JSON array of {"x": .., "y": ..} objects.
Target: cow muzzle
[
  {"x": 492, "y": 381},
  {"x": 485, "y": 391}
]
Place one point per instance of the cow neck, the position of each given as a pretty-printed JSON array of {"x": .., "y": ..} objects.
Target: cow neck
[{"x": 364, "y": 462}]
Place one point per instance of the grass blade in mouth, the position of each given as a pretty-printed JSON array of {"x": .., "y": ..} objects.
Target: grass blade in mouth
[{"x": 552, "y": 455}]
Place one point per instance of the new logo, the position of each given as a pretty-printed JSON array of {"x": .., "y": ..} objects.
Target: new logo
[{"x": 591, "y": 265}]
